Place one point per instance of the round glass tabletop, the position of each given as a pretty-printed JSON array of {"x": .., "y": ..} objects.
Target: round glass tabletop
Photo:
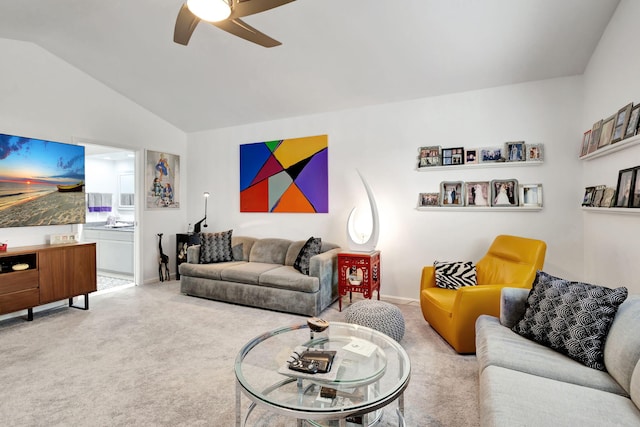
[{"x": 369, "y": 371}]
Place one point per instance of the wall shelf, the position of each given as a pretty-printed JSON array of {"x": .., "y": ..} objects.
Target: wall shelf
[
  {"x": 604, "y": 151},
  {"x": 613, "y": 211},
  {"x": 478, "y": 209},
  {"x": 480, "y": 166}
]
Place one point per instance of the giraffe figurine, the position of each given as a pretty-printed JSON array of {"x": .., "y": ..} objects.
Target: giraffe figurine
[{"x": 163, "y": 259}]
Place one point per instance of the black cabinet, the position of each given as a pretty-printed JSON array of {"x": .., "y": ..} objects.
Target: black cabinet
[{"x": 183, "y": 241}]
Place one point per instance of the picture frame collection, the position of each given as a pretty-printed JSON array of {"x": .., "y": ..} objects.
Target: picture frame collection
[
  {"x": 617, "y": 127},
  {"x": 494, "y": 193},
  {"x": 625, "y": 195},
  {"x": 514, "y": 151}
]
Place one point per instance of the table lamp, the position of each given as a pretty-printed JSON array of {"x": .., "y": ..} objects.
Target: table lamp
[{"x": 196, "y": 227}]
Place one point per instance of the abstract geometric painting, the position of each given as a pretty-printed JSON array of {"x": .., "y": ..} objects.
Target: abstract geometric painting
[{"x": 289, "y": 175}]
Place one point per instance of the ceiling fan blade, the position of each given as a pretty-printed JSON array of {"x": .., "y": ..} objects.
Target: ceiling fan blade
[
  {"x": 247, "y": 32},
  {"x": 242, "y": 8},
  {"x": 185, "y": 24}
]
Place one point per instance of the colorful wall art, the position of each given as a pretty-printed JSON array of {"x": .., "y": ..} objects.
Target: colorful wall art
[
  {"x": 290, "y": 175},
  {"x": 162, "y": 180},
  {"x": 41, "y": 182}
]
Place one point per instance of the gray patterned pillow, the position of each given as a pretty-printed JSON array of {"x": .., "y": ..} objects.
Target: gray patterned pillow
[
  {"x": 454, "y": 275},
  {"x": 311, "y": 247},
  {"x": 572, "y": 318},
  {"x": 215, "y": 247}
]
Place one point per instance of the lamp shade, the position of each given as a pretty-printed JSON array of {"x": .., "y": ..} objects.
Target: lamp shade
[{"x": 210, "y": 10}]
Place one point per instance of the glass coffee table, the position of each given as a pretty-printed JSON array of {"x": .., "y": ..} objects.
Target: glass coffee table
[{"x": 370, "y": 370}]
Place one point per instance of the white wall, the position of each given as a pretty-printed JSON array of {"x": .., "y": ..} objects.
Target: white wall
[
  {"x": 43, "y": 97},
  {"x": 382, "y": 142},
  {"x": 611, "y": 81}
]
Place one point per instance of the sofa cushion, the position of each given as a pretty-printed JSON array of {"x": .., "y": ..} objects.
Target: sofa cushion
[
  {"x": 269, "y": 251},
  {"x": 206, "y": 271},
  {"x": 238, "y": 252},
  {"x": 570, "y": 317},
  {"x": 310, "y": 248},
  {"x": 454, "y": 275},
  {"x": 286, "y": 277},
  {"x": 215, "y": 247},
  {"x": 246, "y": 272},
  {"x": 497, "y": 345},
  {"x": 512, "y": 398}
]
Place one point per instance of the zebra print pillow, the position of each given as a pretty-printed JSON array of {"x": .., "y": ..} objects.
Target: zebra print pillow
[{"x": 454, "y": 275}]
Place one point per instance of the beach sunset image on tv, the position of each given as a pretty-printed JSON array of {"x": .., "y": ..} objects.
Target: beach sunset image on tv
[{"x": 41, "y": 182}]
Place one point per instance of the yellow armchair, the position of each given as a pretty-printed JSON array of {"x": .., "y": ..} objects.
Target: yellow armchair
[{"x": 511, "y": 261}]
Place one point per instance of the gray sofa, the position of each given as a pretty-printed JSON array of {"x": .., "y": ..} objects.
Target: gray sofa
[
  {"x": 523, "y": 383},
  {"x": 263, "y": 276}
]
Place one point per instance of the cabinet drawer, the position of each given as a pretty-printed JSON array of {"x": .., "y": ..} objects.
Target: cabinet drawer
[
  {"x": 19, "y": 300},
  {"x": 18, "y": 281}
]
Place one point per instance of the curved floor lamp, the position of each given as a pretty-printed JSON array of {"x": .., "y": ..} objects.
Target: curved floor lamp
[
  {"x": 358, "y": 244},
  {"x": 196, "y": 227}
]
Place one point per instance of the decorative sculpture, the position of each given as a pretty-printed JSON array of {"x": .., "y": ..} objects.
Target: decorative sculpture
[
  {"x": 163, "y": 260},
  {"x": 357, "y": 242}
]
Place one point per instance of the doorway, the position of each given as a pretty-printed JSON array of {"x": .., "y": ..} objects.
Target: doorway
[{"x": 111, "y": 216}]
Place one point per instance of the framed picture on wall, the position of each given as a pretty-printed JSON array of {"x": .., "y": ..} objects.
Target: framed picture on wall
[
  {"x": 452, "y": 156},
  {"x": 428, "y": 199},
  {"x": 535, "y": 152},
  {"x": 608, "y": 197},
  {"x": 635, "y": 200},
  {"x": 622, "y": 119},
  {"x": 451, "y": 193},
  {"x": 624, "y": 190},
  {"x": 531, "y": 195},
  {"x": 597, "y": 195},
  {"x": 585, "y": 143},
  {"x": 162, "y": 180},
  {"x": 491, "y": 154},
  {"x": 471, "y": 156},
  {"x": 515, "y": 151},
  {"x": 606, "y": 132},
  {"x": 587, "y": 199},
  {"x": 478, "y": 194},
  {"x": 632, "y": 125},
  {"x": 429, "y": 156},
  {"x": 504, "y": 192},
  {"x": 595, "y": 137}
]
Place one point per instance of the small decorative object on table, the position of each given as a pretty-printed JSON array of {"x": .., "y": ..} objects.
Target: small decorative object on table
[
  {"x": 3, "y": 246},
  {"x": 317, "y": 324}
]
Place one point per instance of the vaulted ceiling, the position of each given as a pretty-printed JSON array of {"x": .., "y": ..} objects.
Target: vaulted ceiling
[{"x": 335, "y": 54}]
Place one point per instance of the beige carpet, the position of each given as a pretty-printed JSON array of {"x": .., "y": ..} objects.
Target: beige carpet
[{"x": 150, "y": 356}]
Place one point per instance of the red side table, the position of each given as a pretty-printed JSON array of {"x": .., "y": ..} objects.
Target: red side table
[{"x": 358, "y": 272}]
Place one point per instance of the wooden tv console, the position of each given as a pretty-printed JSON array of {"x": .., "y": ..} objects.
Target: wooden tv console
[{"x": 54, "y": 272}]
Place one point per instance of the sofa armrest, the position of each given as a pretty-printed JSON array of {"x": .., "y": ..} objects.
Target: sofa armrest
[
  {"x": 512, "y": 305},
  {"x": 324, "y": 266},
  {"x": 193, "y": 254}
]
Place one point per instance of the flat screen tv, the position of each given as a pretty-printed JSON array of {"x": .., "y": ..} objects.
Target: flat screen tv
[{"x": 41, "y": 182}]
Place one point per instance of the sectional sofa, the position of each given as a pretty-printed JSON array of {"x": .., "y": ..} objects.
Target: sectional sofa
[
  {"x": 523, "y": 383},
  {"x": 262, "y": 274}
]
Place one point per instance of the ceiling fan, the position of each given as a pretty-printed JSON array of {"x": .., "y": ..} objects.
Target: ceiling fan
[{"x": 229, "y": 20}]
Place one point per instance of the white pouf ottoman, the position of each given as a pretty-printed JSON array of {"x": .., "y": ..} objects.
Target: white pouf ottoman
[{"x": 378, "y": 315}]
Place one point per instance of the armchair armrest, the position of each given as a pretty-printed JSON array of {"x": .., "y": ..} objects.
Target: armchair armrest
[{"x": 428, "y": 279}]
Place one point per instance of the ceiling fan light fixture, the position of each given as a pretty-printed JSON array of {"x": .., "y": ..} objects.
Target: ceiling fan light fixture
[{"x": 210, "y": 10}]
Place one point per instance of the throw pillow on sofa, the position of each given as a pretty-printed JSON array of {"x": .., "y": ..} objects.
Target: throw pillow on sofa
[
  {"x": 215, "y": 247},
  {"x": 572, "y": 318},
  {"x": 454, "y": 275},
  {"x": 311, "y": 247}
]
